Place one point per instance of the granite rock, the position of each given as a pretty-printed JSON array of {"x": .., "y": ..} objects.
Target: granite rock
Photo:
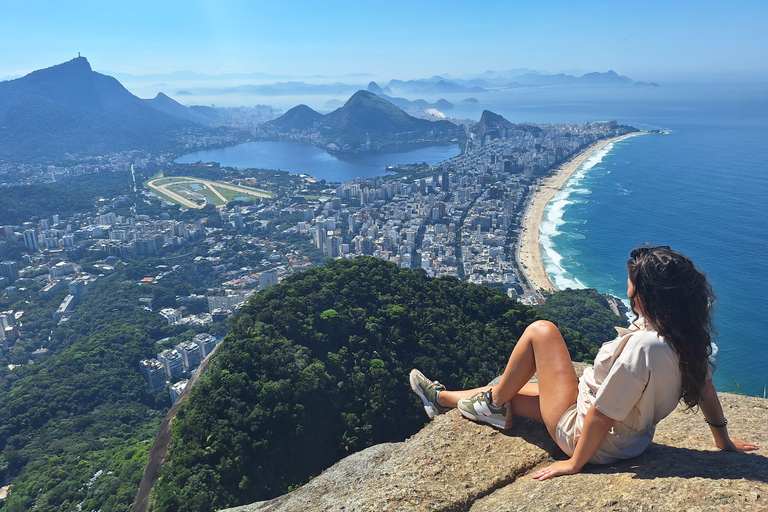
[
  {"x": 681, "y": 471},
  {"x": 456, "y": 465}
]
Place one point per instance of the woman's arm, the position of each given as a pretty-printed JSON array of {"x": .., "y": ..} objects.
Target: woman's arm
[
  {"x": 596, "y": 426},
  {"x": 713, "y": 413}
]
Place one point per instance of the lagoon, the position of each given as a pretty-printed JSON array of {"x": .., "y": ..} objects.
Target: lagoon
[{"x": 304, "y": 158}]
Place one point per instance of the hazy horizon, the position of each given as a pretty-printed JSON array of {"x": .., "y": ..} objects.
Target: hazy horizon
[{"x": 651, "y": 42}]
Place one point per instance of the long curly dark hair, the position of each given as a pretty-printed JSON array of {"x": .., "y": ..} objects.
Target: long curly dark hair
[{"x": 676, "y": 299}]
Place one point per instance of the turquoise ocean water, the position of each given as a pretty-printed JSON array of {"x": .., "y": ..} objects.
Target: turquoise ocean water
[{"x": 702, "y": 189}]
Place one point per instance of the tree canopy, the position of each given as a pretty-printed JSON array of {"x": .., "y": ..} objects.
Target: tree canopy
[
  {"x": 316, "y": 368},
  {"x": 585, "y": 311}
]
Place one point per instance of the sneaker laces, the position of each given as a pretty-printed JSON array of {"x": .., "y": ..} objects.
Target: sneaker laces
[
  {"x": 436, "y": 385},
  {"x": 479, "y": 394},
  {"x": 488, "y": 395}
]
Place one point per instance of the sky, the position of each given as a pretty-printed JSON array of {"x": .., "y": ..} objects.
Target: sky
[{"x": 649, "y": 41}]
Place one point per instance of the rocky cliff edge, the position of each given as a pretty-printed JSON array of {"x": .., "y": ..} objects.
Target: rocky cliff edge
[{"x": 456, "y": 465}]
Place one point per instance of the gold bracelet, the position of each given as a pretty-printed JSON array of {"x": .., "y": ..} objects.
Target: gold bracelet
[{"x": 725, "y": 422}]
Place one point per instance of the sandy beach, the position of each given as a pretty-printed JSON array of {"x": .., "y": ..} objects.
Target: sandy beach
[{"x": 529, "y": 250}]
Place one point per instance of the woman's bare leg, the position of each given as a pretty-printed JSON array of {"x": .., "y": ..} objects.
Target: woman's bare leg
[
  {"x": 525, "y": 403},
  {"x": 451, "y": 398},
  {"x": 541, "y": 349}
]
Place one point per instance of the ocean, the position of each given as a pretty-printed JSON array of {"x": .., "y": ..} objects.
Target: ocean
[{"x": 700, "y": 189}]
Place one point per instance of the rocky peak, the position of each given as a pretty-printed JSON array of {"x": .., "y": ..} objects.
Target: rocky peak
[
  {"x": 374, "y": 88},
  {"x": 457, "y": 465}
]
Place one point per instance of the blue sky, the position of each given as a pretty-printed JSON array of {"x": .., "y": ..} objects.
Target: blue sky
[{"x": 649, "y": 40}]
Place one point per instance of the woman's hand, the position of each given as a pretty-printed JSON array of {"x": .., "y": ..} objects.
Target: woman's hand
[
  {"x": 559, "y": 468},
  {"x": 596, "y": 425},
  {"x": 733, "y": 445},
  {"x": 713, "y": 413}
]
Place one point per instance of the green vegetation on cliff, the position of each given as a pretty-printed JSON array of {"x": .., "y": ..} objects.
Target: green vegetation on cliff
[
  {"x": 586, "y": 311},
  {"x": 74, "y": 425},
  {"x": 316, "y": 368}
]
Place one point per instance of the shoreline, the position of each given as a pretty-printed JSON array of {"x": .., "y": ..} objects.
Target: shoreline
[{"x": 529, "y": 256}]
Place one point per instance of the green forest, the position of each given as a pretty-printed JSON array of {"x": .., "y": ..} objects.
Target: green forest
[
  {"x": 586, "y": 311},
  {"x": 316, "y": 368},
  {"x": 76, "y": 426},
  {"x": 82, "y": 410},
  {"x": 313, "y": 369},
  {"x": 78, "y": 193}
]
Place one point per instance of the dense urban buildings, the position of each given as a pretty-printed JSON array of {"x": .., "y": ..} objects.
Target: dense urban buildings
[{"x": 459, "y": 218}]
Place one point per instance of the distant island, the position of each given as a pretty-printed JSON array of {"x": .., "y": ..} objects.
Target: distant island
[
  {"x": 386, "y": 93},
  {"x": 395, "y": 88}
]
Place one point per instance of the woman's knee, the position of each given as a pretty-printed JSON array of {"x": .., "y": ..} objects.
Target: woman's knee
[{"x": 544, "y": 329}]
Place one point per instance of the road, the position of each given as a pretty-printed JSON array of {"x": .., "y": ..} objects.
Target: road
[{"x": 158, "y": 453}]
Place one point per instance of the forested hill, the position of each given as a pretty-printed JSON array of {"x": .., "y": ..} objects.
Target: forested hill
[
  {"x": 69, "y": 108},
  {"x": 316, "y": 368}
]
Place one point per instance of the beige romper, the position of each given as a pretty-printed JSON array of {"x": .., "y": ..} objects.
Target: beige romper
[{"x": 635, "y": 380}]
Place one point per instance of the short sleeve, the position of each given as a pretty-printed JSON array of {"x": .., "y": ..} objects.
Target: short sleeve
[{"x": 625, "y": 383}]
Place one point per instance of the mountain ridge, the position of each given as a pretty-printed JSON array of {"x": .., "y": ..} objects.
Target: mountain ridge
[
  {"x": 300, "y": 117},
  {"x": 364, "y": 117},
  {"x": 432, "y": 86},
  {"x": 403, "y": 103},
  {"x": 197, "y": 114},
  {"x": 69, "y": 108}
]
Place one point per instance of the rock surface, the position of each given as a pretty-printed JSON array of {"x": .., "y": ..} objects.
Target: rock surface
[{"x": 457, "y": 465}]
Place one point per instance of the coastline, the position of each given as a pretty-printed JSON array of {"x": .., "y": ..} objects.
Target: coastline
[{"x": 528, "y": 248}]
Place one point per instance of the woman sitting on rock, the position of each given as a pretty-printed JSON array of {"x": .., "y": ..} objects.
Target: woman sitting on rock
[{"x": 636, "y": 380}]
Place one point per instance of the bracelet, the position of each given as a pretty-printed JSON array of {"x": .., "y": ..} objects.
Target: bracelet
[{"x": 725, "y": 422}]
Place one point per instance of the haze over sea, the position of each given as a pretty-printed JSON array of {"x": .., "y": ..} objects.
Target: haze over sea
[{"x": 701, "y": 189}]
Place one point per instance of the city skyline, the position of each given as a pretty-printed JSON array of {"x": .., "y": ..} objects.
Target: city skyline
[{"x": 654, "y": 41}]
